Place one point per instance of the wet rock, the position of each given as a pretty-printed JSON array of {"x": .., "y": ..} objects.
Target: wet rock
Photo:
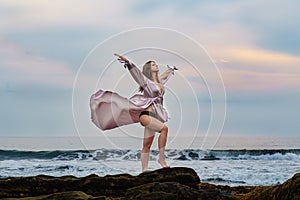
[
  {"x": 289, "y": 190},
  {"x": 182, "y": 175},
  {"x": 171, "y": 183},
  {"x": 210, "y": 157},
  {"x": 172, "y": 190},
  {"x": 72, "y": 195},
  {"x": 111, "y": 185},
  {"x": 227, "y": 190},
  {"x": 76, "y": 195},
  {"x": 166, "y": 190}
]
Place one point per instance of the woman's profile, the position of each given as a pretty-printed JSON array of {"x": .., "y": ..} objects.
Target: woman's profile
[{"x": 110, "y": 110}]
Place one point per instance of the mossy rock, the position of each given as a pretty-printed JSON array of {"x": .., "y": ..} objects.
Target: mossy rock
[
  {"x": 166, "y": 190},
  {"x": 74, "y": 195},
  {"x": 171, "y": 191},
  {"x": 110, "y": 185},
  {"x": 289, "y": 190}
]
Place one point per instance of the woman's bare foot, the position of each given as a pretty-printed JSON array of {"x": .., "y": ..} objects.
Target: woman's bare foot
[{"x": 163, "y": 163}]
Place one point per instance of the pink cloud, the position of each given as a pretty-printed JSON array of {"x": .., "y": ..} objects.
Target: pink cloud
[
  {"x": 259, "y": 70},
  {"x": 21, "y": 66}
]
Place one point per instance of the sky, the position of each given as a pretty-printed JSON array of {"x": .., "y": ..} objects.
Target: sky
[{"x": 255, "y": 46}]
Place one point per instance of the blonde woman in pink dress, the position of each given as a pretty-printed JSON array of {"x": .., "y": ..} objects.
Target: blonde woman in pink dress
[{"x": 110, "y": 110}]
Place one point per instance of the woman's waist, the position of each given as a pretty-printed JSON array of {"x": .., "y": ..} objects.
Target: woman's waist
[
  {"x": 149, "y": 108},
  {"x": 158, "y": 110},
  {"x": 154, "y": 107}
]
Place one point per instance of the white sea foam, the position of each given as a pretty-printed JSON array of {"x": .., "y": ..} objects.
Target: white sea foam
[
  {"x": 250, "y": 165},
  {"x": 238, "y": 167}
]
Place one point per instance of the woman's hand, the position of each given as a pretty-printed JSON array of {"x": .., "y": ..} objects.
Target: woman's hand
[
  {"x": 173, "y": 68},
  {"x": 122, "y": 59}
]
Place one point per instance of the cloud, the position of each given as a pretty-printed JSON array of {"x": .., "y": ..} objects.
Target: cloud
[
  {"x": 20, "y": 66},
  {"x": 247, "y": 40},
  {"x": 260, "y": 70},
  {"x": 34, "y": 14},
  {"x": 230, "y": 31}
]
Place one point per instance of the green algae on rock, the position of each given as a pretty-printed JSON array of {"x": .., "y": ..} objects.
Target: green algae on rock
[
  {"x": 110, "y": 185},
  {"x": 170, "y": 183},
  {"x": 289, "y": 190}
]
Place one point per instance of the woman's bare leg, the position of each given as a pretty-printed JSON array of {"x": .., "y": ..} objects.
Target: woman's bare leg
[
  {"x": 157, "y": 126},
  {"x": 162, "y": 140},
  {"x": 148, "y": 139}
]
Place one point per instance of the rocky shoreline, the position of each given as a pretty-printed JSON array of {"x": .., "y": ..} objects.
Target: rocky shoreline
[{"x": 171, "y": 183}]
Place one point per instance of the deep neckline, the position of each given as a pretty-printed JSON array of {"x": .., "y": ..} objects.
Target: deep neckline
[{"x": 160, "y": 89}]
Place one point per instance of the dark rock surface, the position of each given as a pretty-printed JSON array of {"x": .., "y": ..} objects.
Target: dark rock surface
[
  {"x": 110, "y": 186},
  {"x": 171, "y": 190},
  {"x": 74, "y": 195},
  {"x": 170, "y": 183},
  {"x": 289, "y": 190}
]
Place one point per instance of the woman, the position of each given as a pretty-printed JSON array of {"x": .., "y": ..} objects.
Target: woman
[{"x": 110, "y": 110}]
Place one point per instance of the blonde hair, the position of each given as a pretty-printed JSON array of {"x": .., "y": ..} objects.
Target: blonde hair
[{"x": 147, "y": 73}]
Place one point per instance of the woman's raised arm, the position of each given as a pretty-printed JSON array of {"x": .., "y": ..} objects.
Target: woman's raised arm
[
  {"x": 137, "y": 75},
  {"x": 166, "y": 75}
]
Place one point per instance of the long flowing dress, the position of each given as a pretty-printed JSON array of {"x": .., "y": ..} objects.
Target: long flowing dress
[{"x": 110, "y": 110}]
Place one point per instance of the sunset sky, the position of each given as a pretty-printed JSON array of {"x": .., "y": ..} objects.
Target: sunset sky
[{"x": 255, "y": 45}]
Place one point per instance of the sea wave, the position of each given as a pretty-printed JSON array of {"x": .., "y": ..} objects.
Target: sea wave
[{"x": 173, "y": 154}]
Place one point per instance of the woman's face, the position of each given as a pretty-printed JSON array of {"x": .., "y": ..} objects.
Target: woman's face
[{"x": 154, "y": 67}]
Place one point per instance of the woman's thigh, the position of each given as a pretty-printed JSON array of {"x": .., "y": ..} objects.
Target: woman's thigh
[
  {"x": 148, "y": 137},
  {"x": 151, "y": 123}
]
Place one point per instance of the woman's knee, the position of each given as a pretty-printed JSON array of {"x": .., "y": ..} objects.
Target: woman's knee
[
  {"x": 164, "y": 129},
  {"x": 147, "y": 146}
]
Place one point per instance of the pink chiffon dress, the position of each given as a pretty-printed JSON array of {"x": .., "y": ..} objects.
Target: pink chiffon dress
[{"x": 110, "y": 110}]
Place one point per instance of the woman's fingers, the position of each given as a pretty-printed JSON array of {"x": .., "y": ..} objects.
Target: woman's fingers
[
  {"x": 116, "y": 54},
  {"x": 121, "y": 58},
  {"x": 175, "y": 68}
]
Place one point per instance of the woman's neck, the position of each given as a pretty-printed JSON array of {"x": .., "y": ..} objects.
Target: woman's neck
[{"x": 154, "y": 77}]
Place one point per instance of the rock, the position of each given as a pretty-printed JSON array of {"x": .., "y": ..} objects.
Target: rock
[
  {"x": 111, "y": 185},
  {"x": 210, "y": 157},
  {"x": 172, "y": 190},
  {"x": 182, "y": 175},
  {"x": 74, "y": 195},
  {"x": 227, "y": 190},
  {"x": 289, "y": 190},
  {"x": 117, "y": 185},
  {"x": 170, "y": 183},
  {"x": 35, "y": 186},
  {"x": 165, "y": 190}
]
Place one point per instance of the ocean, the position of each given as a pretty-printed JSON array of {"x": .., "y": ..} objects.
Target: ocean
[{"x": 233, "y": 160}]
